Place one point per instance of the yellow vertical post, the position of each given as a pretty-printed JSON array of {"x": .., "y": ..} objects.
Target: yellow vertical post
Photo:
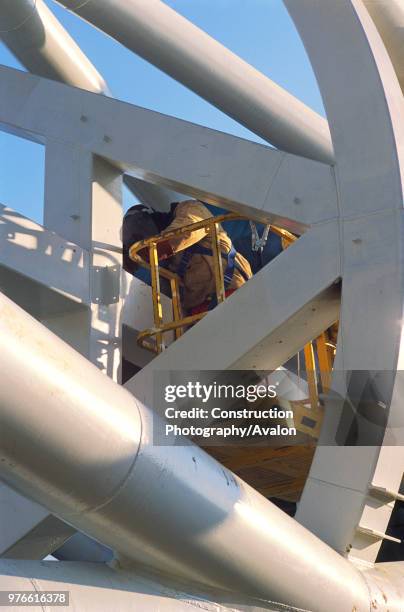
[
  {"x": 176, "y": 305},
  {"x": 311, "y": 374},
  {"x": 324, "y": 361},
  {"x": 157, "y": 307},
  {"x": 217, "y": 262}
]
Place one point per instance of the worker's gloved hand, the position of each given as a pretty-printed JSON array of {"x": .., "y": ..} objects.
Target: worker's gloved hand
[{"x": 164, "y": 251}]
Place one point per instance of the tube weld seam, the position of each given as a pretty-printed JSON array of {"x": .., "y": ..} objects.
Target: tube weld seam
[
  {"x": 34, "y": 10},
  {"x": 120, "y": 486}
]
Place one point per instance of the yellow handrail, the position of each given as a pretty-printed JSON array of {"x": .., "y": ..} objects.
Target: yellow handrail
[
  {"x": 212, "y": 224},
  {"x": 179, "y": 322}
]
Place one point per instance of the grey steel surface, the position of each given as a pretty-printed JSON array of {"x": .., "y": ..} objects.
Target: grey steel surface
[
  {"x": 44, "y": 47},
  {"x": 196, "y": 535},
  {"x": 162, "y": 506},
  {"x": 169, "y": 41},
  {"x": 291, "y": 190},
  {"x": 94, "y": 587},
  {"x": 388, "y": 15},
  {"x": 365, "y": 108},
  {"x": 38, "y": 40}
]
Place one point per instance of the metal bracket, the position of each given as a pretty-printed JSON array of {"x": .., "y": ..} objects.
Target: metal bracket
[
  {"x": 105, "y": 284},
  {"x": 374, "y": 489},
  {"x": 373, "y": 533}
]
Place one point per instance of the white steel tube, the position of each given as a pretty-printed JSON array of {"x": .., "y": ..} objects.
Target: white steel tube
[
  {"x": 388, "y": 16},
  {"x": 43, "y": 46},
  {"x": 169, "y": 41},
  {"x": 39, "y": 41},
  {"x": 95, "y": 587},
  {"x": 82, "y": 446}
]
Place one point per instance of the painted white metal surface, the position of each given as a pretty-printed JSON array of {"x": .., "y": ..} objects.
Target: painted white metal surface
[
  {"x": 26, "y": 246},
  {"x": 14, "y": 505},
  {"x": 338, "y": 502},
  {"x": 108, "y": 479},
  {"x": 38, "y": 40},
  {"x": 294, "y": 191},
  {"x": 50, "y": 278},
  {"x": 118, "y": 148},
  {"x": 45, "y": 48},
  {"x": 169, "y": 41},
  {"x": 388, "y": 16},
  {"x": 367, "y": 131},
  {"x": 98, "y": 588}
]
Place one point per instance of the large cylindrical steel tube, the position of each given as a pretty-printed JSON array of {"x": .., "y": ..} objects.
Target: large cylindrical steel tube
[
  {"x": 169, "y": 41},
  {"x": 90, "y": 587},
  {"x": 388, "y": 16},
  {"x": 43, "y": 46},
  {"x": 76, "y": 442}
]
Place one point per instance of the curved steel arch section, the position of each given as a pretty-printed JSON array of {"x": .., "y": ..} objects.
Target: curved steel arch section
[{"x": 364, "y": 106}]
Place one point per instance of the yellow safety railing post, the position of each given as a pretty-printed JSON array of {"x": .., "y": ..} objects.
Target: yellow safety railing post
[
  {"x": 324, "y": 361},
  {"x": 157, "y": 307},
  {"x": 176, "y": 306},
  {"x": 311, "y": 374},
  {"x": 179, "y": 324}
]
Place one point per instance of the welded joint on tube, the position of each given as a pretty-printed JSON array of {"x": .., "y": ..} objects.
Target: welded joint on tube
[
  {"x": 25, "y": 19},
  {"x": 70, "y": 5}
]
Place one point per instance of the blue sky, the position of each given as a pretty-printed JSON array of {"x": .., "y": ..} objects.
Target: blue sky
[{"x": 259, "y": 31}]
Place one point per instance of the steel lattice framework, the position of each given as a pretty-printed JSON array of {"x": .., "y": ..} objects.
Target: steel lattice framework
[{"x": 338, "y": 183}]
